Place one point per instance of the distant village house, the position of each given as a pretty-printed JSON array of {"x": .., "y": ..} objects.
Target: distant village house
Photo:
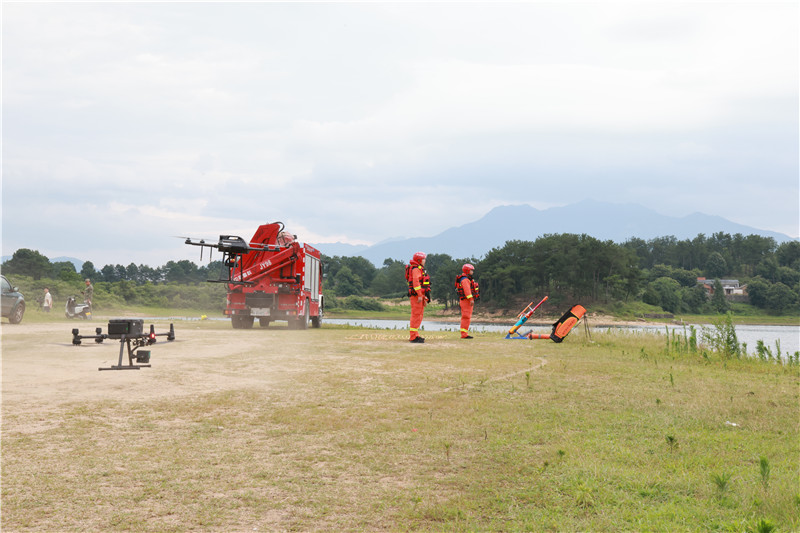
[{"x": 733, "y": 291}]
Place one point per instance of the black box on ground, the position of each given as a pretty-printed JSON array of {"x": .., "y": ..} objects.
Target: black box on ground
[{"x": 130, "y": 327}]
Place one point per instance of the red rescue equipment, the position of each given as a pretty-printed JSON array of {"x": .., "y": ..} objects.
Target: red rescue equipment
[
  {"x": 564, "y": 325},
  {"x": 561, "y": 327}
]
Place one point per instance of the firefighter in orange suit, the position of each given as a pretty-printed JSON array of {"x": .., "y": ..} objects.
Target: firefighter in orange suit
[
  {"x": 467, "y": 289},
  {"x": 419, "y": 293}
]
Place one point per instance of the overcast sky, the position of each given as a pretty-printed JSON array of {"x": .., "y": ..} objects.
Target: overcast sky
[{"x": 126, "y": 124}]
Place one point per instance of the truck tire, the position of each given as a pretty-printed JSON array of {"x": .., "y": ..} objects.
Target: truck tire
[
  {"x": 301, "y": 322},
  {"x": 304, "y": 321},
  {"x": 263, "y": 321},
  {"x": 316, "y": 321},
  {"x": 242, "y": 322}
]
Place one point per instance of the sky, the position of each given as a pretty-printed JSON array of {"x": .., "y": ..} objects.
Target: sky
[{"x": 126, "y": 126}]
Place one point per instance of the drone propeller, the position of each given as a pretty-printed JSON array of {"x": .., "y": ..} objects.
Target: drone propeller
[{"x": 199, "y": 242}]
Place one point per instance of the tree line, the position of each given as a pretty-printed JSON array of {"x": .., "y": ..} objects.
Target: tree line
[
  {"x": 26, "y": 262},
  {"x": 177, "y": 284},
  {"x": 569, "y": 268}
]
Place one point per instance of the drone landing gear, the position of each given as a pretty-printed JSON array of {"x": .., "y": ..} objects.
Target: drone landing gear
[{"x": 142, "y": 357}]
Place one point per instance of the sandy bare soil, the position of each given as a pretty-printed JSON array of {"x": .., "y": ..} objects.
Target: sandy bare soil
[
  {"x": 42, "y": 371},
  {"x": 41, "y": 368}
]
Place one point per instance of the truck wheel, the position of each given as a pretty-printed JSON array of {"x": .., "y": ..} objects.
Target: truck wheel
[
  {"x": 263, "y": 322},
  {"x": 241, "y": 322},
  {"x": 304, "y": 321},
  {"x": 301, "y": 322},
  {"x": 316, "y": 321}
]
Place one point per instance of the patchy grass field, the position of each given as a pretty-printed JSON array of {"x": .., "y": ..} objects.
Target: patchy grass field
[{"x": 353, "y": 429}]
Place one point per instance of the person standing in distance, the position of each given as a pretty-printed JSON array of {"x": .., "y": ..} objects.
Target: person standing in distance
[
  {"x": 419, "y": 293},
  {"x": 467, "y": 289},
  {"x": 88, "y": 293},
  {"x": 47, "y": 303}
]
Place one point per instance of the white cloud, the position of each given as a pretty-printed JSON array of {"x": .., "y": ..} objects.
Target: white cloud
[{"x": 358, "y": 122}]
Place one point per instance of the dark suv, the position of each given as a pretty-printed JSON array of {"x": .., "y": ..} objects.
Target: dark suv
[{"x": 13, "y": 301}]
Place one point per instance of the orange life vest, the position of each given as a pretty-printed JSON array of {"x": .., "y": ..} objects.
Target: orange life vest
[
  {"x": 473, "y": 287},
  {"x": 424, "y": 279}
]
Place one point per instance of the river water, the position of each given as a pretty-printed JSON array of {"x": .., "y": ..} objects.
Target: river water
[{"x": 788, "y": 336}]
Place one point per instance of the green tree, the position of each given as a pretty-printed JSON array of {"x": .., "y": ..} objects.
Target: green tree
[
  {"x": 27, "y": 262},
  {"x": 768, "y": 269},
  {"x": 361, "y": 267},
  {"x": 88, "y": 271},
  {"x": 718, "y": 300},
  {"x": 641, "y": 250},
  {"x": 757, "y": 289},
  {"x": 748, "y": 251},
  {"x": 121, "y": 272},
  {"x": 65, "y": 271},
  {"x": 788, "y": 276},
  {"x": 697, "y": 252},
  {"x": 132, "y": 273},
  {"x": 124, "y": 289},
  {"x": 108, "y": 273},
  {"x": 663, "y": 250},
  {"x": 347, "y": 283},
  {"x": 665, "y": 293},
  {"x": 788, "y": 254},
  {"x": 616, "y": 288},
  {"x": 716, "y": 266},
  {"x": 659, "y": 271},
  {"x": 694, "y": 299},
  {"x": 687, "y": 278},
  {"x": 390, "y": 281},
  {"x": 780, "y": 298},
  {"x": 183, "y": 271}
]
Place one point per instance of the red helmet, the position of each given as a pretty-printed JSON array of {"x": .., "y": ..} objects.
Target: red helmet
[
  {"x": 418, "y": 257},
  {"x": 468, "y": 268}
]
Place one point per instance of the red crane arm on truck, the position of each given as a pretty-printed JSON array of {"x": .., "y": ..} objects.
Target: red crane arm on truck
[{"x": 261, "y": 264}]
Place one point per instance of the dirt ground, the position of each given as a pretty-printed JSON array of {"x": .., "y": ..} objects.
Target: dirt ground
[{"x": 41, "y": 368}]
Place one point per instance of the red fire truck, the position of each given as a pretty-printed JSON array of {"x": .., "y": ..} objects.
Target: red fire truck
[{"x": 273, "y": 277}]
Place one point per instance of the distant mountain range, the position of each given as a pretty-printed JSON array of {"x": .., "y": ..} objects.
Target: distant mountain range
[{"x": 601, "y": 220}]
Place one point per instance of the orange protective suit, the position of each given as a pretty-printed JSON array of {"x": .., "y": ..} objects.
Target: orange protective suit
[
  {"x": 467, "y": 304},
  {"x": 418, "y": 299}
]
